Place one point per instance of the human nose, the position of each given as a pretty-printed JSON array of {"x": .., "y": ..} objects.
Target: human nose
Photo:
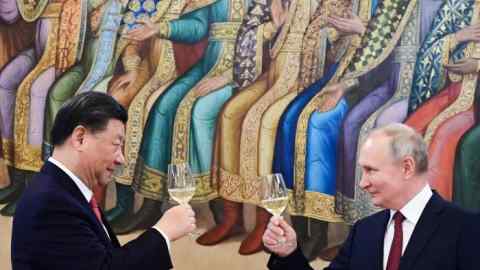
[
  {"x": 364, "y": 182},
  {"x": 120, "y": 160}
]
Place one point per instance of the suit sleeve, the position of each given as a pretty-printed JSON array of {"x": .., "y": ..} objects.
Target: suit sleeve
[
  {"x": 59, "y": 235},
  {"x": 342, "y": 261},
  {"x": 467, "y": 252},
  {"x": 295, "y": 261}
]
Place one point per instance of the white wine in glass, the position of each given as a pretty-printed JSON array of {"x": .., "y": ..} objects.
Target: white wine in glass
[
  {"x": 181, "y": 195},
  {"x": 275, "y": 206},
  {"x": 274, "y": 194},
  {"x": 181, "y": 184}
]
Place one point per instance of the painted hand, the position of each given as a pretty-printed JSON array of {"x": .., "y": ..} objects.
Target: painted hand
[
  {"x": 279, "y": 12},
  {"x": 209, "y": 85},
  {"x": 146, "y": 31},
  {"x": 119, "y": 88},
  {"x": 464, "y": 66},
  {"x": 348, "y": 26},
  {"x": 469, "y": 33}
]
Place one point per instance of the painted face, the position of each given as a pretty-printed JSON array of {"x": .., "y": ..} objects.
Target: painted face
[
  {"x": 382, "y": 176},
  {"x": 104, "y": 153}
]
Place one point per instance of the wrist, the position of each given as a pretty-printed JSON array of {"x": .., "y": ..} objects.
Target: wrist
[
  {"x": 163, "y": 29},
  {"x": 456, "y": 39},
  {"x": 164, "y": 235},
  {"x": 292, "y": 247},
  {"x": 131, "y": 63}
]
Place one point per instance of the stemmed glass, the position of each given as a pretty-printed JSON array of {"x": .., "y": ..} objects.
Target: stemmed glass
[
  {"x": 181, "y": 184},
  {"x": 274, "y": 196}
]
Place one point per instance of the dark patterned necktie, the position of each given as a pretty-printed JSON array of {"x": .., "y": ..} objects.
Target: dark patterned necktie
[{"x": 396, "y": 249}]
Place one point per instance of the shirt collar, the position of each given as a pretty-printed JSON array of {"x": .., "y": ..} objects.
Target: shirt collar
[
  {"x": 414, "y": 208},
  {"x": 84, "y": 189}
]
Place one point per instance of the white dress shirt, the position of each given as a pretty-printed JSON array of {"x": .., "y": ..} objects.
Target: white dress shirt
[
  {"x": 412, "y": 212},
  {"x": 88, "y": 193}
]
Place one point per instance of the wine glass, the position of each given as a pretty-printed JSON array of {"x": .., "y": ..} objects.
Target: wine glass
[
  {"x": 181, "y": 184},
  {"x": 274, "y": 194}
]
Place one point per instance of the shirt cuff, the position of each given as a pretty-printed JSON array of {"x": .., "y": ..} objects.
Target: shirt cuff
[{"x": 164, "y": 237}]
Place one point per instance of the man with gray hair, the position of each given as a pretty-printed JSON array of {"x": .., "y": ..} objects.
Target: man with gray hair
[{"x": 417, "y": 229}]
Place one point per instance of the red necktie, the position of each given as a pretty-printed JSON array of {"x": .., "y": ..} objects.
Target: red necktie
[
  {"x": 95, "y": 209},
  {"x": 396, "y": 249}
]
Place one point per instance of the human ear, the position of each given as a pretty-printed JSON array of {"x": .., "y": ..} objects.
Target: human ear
[
  {"x": 78, "y": 136},
  {"x": 408, "y": 167}
]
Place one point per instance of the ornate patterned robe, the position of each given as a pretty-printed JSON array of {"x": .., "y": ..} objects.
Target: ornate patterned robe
[
  {"x": 222, "y": 18},
  {"x": 26, "y": 80}
]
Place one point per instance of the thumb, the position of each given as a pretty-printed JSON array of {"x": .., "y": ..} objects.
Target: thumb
[{"x": 287, "y": 229}]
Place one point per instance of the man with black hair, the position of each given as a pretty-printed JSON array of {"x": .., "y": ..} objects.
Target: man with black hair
[{"x": 58, "y": 224}]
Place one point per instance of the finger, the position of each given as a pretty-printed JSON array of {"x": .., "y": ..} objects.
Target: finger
[
  {"x": 123, "y": 84},
  {"x": 272, "y": 238},
  {"x": 135, "y": 31},
  {"x": 454, "y": 69},
  {"x": 114, "y": 87},
  {"x": 270, "y": 241},
  {"x": 285, "y": 226},
  {"x": 119, "y": 83},
  {"x": 340, "y": 26},
  {"x": 332, "y": 20},
  {"x": 188, "y": 208},
  {"x": 131, "y": 37},
  {"x": 451, "y": 66},
  {"x": 276, "y": 230},
  {"x": 343, "y": 20}
]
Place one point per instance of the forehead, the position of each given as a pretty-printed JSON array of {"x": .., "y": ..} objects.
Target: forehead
[
  {"x": 375, "y": 150},
  {"x": 115, "y": 128}
]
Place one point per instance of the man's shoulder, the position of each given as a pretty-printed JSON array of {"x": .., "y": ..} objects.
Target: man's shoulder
[
  {"x": 454, "y": 212},
  {"x": 43, "y": 191},
  {"x": 379, "y": 216}
]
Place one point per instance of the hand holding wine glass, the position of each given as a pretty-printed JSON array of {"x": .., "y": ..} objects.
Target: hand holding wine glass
[
  {"x": 181, "y": 185},
  {"x": 274, "y": 199}
]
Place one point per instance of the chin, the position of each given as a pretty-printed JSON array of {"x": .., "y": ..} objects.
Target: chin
[
  {"x": 376, "y": 202},
  {"x": 105, "y": 180}
]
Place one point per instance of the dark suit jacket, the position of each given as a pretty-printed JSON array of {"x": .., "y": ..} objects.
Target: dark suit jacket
[
  {"x": 55, "y": 228},
  {"x": 445, "y": 238}
]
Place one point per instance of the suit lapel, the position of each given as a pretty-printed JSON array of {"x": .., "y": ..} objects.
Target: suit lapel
[
  {"x": 67, "y": 183},
  {"x": 425, "y": 228},
  {"x": 111, "y": 233},
  {"x": 382, "y": 227}
]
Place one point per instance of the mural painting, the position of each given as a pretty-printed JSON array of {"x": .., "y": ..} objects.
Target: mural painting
[{"x": 240, "y": 89}]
